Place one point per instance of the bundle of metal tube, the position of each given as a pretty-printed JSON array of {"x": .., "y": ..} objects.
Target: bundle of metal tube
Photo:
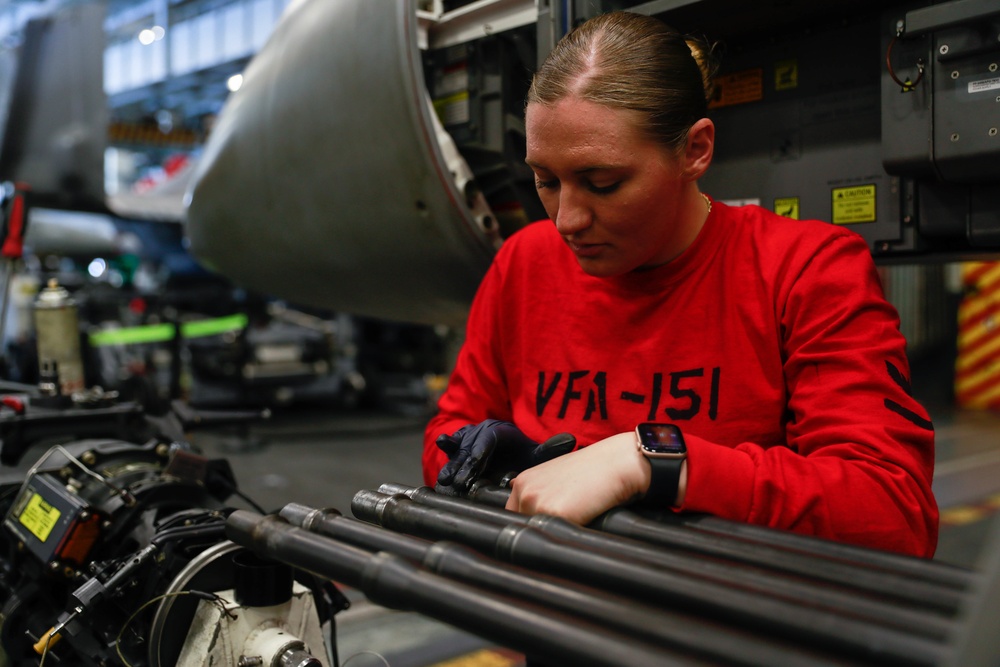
[{"x": 627, "y": 590}]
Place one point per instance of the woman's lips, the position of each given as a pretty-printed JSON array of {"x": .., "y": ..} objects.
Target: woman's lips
[{"x": 586, "y": 249}]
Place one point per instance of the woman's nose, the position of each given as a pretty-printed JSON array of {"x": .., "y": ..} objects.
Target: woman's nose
[{"x": 572, "y": 216}]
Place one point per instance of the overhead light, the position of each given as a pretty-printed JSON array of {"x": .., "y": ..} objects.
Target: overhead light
[
  {"x": 149, "y": 35},
  {"x": 234, "y": 83},
  {"x": 97, "y": 268}
]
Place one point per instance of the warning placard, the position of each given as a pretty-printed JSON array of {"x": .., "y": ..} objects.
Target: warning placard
[
  {"x": 853, "y": 204},
  {"x": 39, "y": 517},
  {"x": 786, "y": 74},
  {"x": 787, "y": 207},
  {"x": 738, "y": 88}
]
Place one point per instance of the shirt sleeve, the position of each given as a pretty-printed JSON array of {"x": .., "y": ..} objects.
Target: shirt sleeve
[
  {"x": 859, "y": 459},
  {"x": 477, "y": 388}
]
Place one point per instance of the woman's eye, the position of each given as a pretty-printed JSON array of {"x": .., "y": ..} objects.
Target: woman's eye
[
  {"x": 542, "y": 185},
  {"x": 603, "y": 189}
]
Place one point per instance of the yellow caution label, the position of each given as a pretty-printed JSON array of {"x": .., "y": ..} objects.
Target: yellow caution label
[
  {"x": 39, "y": 517},
  {"x": 787, "y": 207},
  {"x": 738, "y": 88},
  {"x": 853, "y": 204},
  {"x": 786, "y": 74},
  {"x": 453, "y": 109}
]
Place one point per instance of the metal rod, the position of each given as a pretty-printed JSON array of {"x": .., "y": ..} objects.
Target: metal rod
[
  {"x": 922, "y": 569},
  {"x": 394, "y": 582},
  {"x": 655, "y": 624},
  {"x": 841, "y": 563},
  {"x": 769, "y": 582},
  {"x": 528, "y": 547}
]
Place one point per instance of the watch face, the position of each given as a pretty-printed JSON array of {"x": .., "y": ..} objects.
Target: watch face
[{"x": 663, "y": 439}]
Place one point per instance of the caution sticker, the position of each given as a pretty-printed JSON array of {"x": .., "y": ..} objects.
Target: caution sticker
[
  {"x": 787, "y": 207},
  {"x": 738, "y": 88},
  {"x": 39, "y": 517},
  {"x": 853, "y": 204},
  {"x": 453, "y": 109},
  {"x": 786, "y": 74}
]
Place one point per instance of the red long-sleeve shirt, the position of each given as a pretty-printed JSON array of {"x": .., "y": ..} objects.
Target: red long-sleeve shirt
[{"x": 769, "y": 341}]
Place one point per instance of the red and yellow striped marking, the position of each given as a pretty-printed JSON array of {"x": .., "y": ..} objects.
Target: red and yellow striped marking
[
  {"x": 966, "y": 514},
  {"x": 977, "y": 369}
]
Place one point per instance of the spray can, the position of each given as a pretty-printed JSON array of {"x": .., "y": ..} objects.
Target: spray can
[{"x": 59, "y": 339}]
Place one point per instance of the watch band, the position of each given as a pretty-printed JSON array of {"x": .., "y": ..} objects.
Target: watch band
[{"x": 663, "y": 483}]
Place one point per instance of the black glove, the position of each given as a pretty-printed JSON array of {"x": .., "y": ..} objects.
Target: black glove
[{"x": 491, "y": 449}]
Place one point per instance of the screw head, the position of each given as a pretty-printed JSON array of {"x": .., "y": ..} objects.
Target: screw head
[{"x": 943, "y": 49}]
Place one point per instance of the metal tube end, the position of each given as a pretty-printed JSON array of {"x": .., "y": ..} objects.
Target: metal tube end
[
  {"x": 369, "y": 506},
  {"x": 304, "y": 516},
  {"x": 392, "y": 489}
]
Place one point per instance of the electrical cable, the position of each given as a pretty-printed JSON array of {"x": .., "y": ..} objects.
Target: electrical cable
[
  {"x": 377, "y": 655},
  {"x": 211, "y": 597},
  {"x": 905, "y": 86}
]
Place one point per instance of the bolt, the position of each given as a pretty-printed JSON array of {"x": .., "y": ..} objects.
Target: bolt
[
  {"x": 250, "y": 661},
  {"x": 992, "y": 67},
  {"x": 954, "y": 74},
  {"x": 992, "y": 132},
  {"x": 954, "y": 137},
  {"x": 943, "y": 49},
  {"x": 89, "y": 457},
  {"x": 162, "y": 449}
]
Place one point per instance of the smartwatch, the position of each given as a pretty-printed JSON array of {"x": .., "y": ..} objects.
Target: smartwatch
[{"x": 664, "y": 448}]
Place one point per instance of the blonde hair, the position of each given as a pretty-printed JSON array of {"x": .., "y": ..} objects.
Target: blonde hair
[{"x": 631, "y": 61}]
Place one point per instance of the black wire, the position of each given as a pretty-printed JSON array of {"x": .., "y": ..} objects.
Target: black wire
[{"x": 214, "y": 530}]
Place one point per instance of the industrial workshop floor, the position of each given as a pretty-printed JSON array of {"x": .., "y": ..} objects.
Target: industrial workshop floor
[{"x": 321, "y": 458}]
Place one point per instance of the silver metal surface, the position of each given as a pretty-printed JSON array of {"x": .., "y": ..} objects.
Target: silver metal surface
[{"x": 325, "y": 181}]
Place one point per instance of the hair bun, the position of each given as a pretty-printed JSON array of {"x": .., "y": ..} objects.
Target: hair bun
[{"x": 706, "y": 54}]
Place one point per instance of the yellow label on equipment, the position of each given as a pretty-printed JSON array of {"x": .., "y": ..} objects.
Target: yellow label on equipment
[
  {"x": 786, "y": 74},
  {"x": 853, "y": 204},
  {"x": 39, "y": 517},
  {"x": 787, "y": 207}
]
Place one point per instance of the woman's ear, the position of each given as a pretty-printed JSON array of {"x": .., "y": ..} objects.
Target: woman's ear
[{"x": 699, "y": 148}]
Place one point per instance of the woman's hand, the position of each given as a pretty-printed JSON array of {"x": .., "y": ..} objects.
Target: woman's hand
[
  {"x": 492, "y": 448},
  {"x": 583, "y": 484}
]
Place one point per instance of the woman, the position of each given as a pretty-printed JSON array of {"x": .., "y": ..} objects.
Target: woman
[{"x": 765, "y": 343}]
